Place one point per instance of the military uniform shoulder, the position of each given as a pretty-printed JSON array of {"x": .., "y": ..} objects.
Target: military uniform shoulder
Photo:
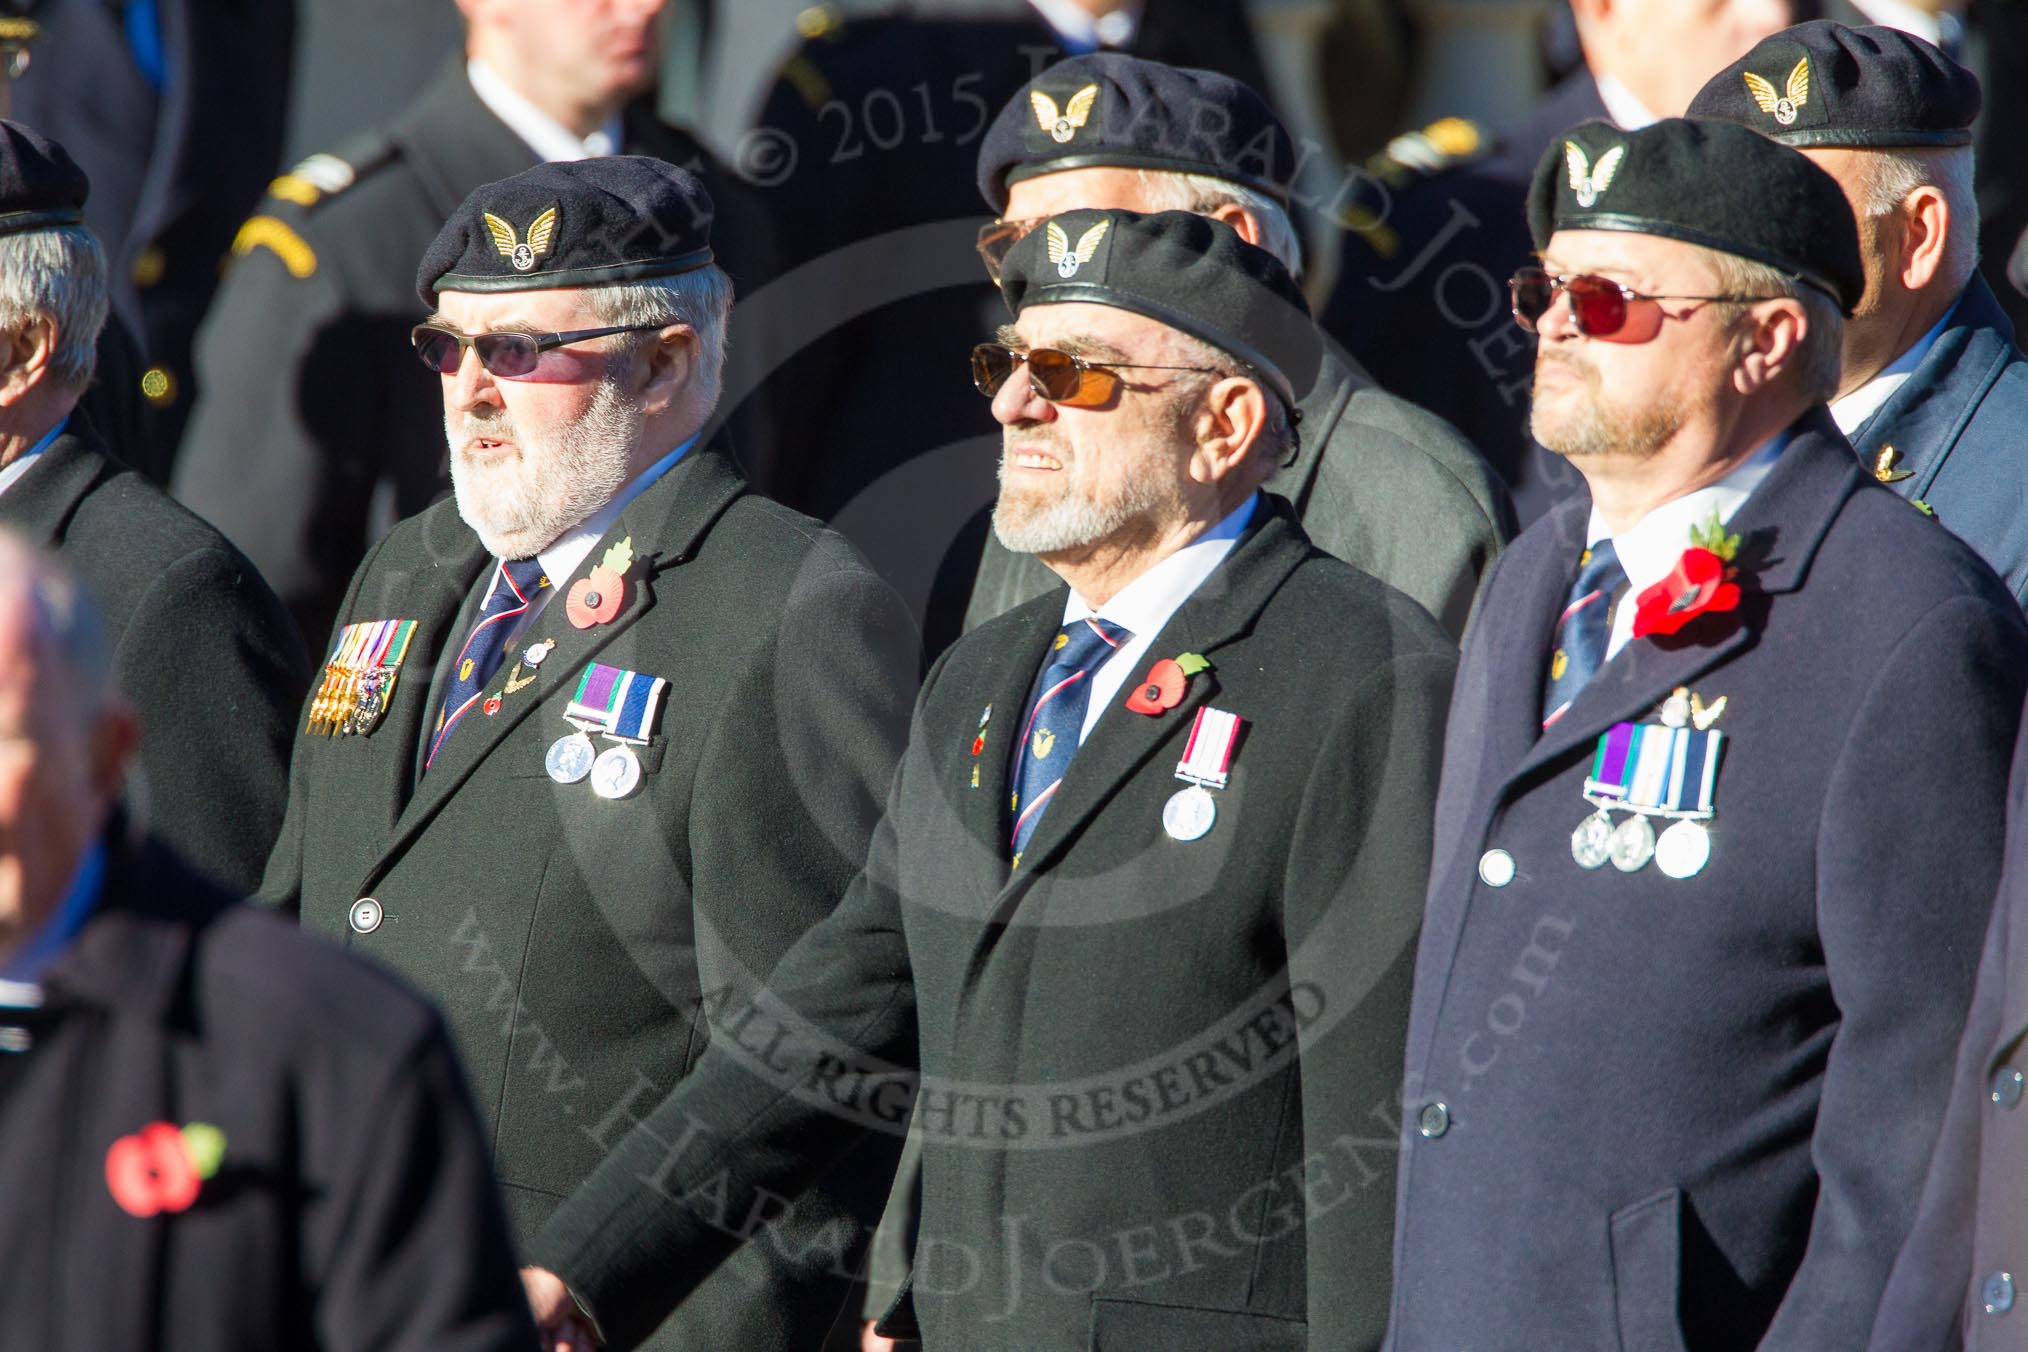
[
  {"x": 1402, "y": 168},
  {"x": 298, "y": 215},
  {"x": 329, "y": 174},
  {"x": 833, "y": 49}
]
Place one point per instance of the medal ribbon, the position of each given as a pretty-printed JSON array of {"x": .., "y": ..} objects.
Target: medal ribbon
[
  {"x": 618, "y": 702},
  {"x": 1208, "y": 753},
  {"x": 1656, "y": 770}
]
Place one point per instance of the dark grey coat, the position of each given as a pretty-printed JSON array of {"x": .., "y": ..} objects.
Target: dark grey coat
[
  {"x": 571, "y": 940},
  {"x": 1695, "y": 1114},
  {"x": 1147, "y": 1062},
  {"x": 1392, "y": 490}
]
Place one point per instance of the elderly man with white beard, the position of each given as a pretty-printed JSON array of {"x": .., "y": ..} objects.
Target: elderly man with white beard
[{"x": 598, "y": 739}]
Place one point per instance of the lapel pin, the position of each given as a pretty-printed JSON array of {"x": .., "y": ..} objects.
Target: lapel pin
[
  {"x": 1162, "y": 689},
  {"x": 596, "y": 597}
]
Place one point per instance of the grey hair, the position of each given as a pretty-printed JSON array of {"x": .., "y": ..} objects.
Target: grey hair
[
  {"x": 1820, "y": 361},
  {"x": 1891, "y": 175},
  {"x": 57, "y": 274},
  {"x": 701, "y": 299},
  {"x": 1169, "y": 190}
]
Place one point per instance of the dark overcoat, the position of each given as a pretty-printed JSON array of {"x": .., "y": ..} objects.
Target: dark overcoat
[
  {"x": 1648, "y": 1113},
  {"x": 1158, "y": 1107},
  {"x": 570, "y": 939},
  {"x": 353, "y": 1207}
]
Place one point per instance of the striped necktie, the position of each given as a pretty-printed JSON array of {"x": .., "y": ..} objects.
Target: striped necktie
[
  {"x": 514, "y": 589},
  {"x": 1584, "y": 628},
  {"x": 1055, "y": 722}
]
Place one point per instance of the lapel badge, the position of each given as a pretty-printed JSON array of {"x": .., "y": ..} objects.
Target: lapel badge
[
  {"x": 522, "y": 253},
  {"x": 1782, "y": 105},
  {"x": 358, "y": 679},
  {"x": 979, "y": 740},
  {"x": 531, "y": 657},
  {"x": 618, "y": 704},
  {"x": 1653, "y": 771},
  {"x": 1885, "y": 467},
  {"x": 162, "y": 1168},
  {"x": 1064, "y": 125},
  {"x": 1162, "y": 689},
  {"x": 1206, "y": 765},
  {"x": 1589, "y": 182},
  {"x": 1067, "y": 259},
  {"x": 596, "y": 597}
]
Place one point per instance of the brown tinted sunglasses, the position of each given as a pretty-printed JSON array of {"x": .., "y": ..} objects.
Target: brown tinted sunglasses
[
  {"x": 1057, "y": 376},
  {"x": 996, "y": 239}
]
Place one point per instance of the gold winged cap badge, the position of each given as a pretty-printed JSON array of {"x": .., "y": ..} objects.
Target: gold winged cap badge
[
  {"x": 522, "y": 253},
  {"x": 1781, "y": 104},
  {"x": 1589, "y": 182},
  {"x": 1061, "y": 126},
  {"x": 1067, "y": 259}
]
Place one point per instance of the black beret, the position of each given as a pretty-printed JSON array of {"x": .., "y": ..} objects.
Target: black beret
[
  {"x": 1190, "y": 272},
  {"x": 616, "y": 218},
  {"x": 41, "y": 187},
  {"x": 1823, "y": 84},
  {"x": 1117, "y": 111},
  {"x": 1710, "y": 183}
]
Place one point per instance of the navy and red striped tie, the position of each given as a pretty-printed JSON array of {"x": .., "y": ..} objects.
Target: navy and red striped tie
[
  {"x": 513, "y": 590},
  {"x": 1056, "y": 720},
  {"x": 1584, "y": 629}
]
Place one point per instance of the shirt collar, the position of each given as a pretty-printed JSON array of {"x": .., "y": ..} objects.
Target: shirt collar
[
  {"x": 20, "y": 978},
  {"x": 1854, "y": 409},
  {"x": 544, "y": 134},
  {"x": 561, "y": 560},
  {"x": 1081, "y": 33},
  {"x": 1649, "y": 549},
  {"x": 1626, "y": 111},
  {"x": 21, "y": 463},
  {"x": 1143, "y": 607}
]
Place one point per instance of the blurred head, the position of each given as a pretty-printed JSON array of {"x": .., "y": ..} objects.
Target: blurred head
[
  {"x": 65, "y": 738},
  {"x": 577, "y": 60},
  {"x": 1664, "y": 50},
  {"x": 1260, "y": 219},
  {"x": 52, "y": 306},
  {"x": 532, "y": 456}
]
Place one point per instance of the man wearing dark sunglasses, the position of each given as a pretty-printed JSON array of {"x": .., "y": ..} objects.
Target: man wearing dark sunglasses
[
  {"x": 1182, "y": 803},
  {"x": 1934, "y": 394},
  {"x": 1722, "y": 801},
  {"x": 599, "y": 738},
  {"x": 1379, "y": 482}
]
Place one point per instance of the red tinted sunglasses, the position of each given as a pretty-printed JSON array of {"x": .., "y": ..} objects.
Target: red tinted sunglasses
[
  {"x": 1598, "y": 305},
  {"x": 506, "y": 353}
]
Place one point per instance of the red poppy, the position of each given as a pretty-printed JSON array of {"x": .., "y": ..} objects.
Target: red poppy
[
  {"x": 153, "y": 1171},
  {"x": 1160, "y": 690},
  {"x": 595, "y": 598},
  {"x": 492, "y": 706},
  {"x": 1696, "y": 586},
  {"x": 978, "y": 744}
]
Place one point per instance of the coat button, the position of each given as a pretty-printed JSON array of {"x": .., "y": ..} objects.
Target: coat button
[
  {"x": 1434, "y": 1120},
  {"x": 366, "y": 915},
  {"x": 1496, "y": 868},
  {"x": 1997, "y": 1293},
  {"x": 2007, "y": 1087}
]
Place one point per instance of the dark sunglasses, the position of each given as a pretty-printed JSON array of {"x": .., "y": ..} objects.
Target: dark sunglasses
[
  {"x": 1598, "y": 305},
  {"x": 506, "y": 354},
  {"x": 997, "y": 239},
  {"x": 1058, "y": 376}
]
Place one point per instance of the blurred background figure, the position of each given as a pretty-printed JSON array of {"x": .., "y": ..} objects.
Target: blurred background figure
[
  {"x": 215, "y": 1128},
  {"x": 318, "y": 429}
]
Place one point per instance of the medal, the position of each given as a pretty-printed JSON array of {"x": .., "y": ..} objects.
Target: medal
[
  {"x": 570, "y": 758},
  {"x": 359, "y": 678},
  {"x": 1632, "y": 844},
  {"x": 1590, "y": 842},
  {"x": 1683, "y": 850},
  {"x": 1206, "y": 765},
  {"x": 1190, "y": 813},
  {"x": 616, "y": 773}
]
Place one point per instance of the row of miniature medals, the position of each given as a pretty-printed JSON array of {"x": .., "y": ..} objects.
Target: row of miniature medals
[{"x": 1666, "y": 770}]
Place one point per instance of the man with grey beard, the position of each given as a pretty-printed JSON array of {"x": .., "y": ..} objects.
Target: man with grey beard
[{"x": 596, "y": 740}]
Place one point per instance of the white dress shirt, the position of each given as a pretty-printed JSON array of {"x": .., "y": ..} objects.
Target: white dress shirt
[
  {"x": 1855, "y": 408},
  {"x": 545, "y": 135},
  {"x": 21, "y": 464},
  {"x": 1082, "y": 33},
  {"x": 1144, "y": 605},
  {"x": 1649, "y": 549},
  {"x": 1627, "y": 112}
]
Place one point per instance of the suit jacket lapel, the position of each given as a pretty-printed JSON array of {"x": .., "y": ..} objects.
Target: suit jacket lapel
[
  {"x": 1004, "y": 683},
  {"x": 1925, "y": 417},
  {"x": 664, "y": 522}
]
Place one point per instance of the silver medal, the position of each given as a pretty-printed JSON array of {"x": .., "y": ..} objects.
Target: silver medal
[
  {"x": 617, "y": 772},
  {"x": 1683, "y": 850},
  {"x": 1189, "y": 814},
  {"x": 1591, "y": 842},
  {"x": 570, "y": 758},
  {"x": 1632, "y": 844}
]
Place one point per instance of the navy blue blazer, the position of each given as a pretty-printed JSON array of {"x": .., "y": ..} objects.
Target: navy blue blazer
[
  {"x": 1958, "y": 1280},
  {"x": 1650, "y": 1114},
  {"x": 1960, "y": 427}
]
